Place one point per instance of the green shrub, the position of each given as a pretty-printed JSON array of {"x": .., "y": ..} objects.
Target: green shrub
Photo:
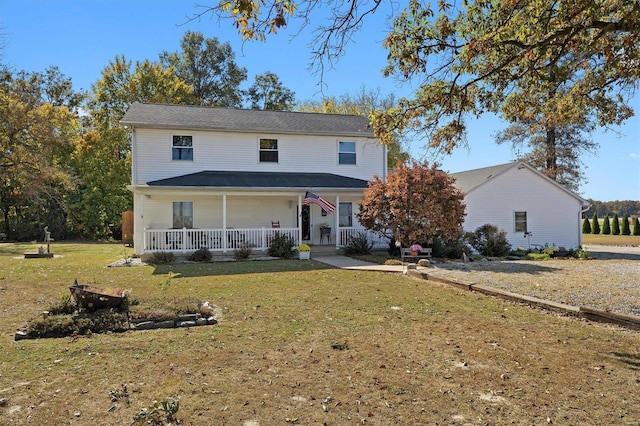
[
  {"x": 393, "y": 262},
  {"x": 636, "y": 226},
  {"x": 281, "y": 246},
  {"x": 595, "y": 228},
  {"x": 615, "y": 226},
  {"x": 449, "y": 248},
  {"x": 537, "y": 256},
  {"x": 201, "y": 255},
  {"x": 65, "y": 305},
  {"x": 489, "y": 240},
  {"x": 586, "y": 226},
  {"x": 162, "y": 257},
  {"x": 580, "y": 254},
  {"x": 78, "y": 324},
  {"x": 606, "y": 226},
  {"x": 358, "y": 244},
  {"x": 242, "y": 252},
  {"x": 625, "y": 225}
]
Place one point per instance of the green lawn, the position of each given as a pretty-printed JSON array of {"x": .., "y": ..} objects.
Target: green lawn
[{"x": 298, "y": 343}]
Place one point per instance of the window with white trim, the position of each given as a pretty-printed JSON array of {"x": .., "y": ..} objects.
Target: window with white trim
[
  {"x": 183, "y": 214},
  {"x": 345, "y": 216},
  {"x": 346, "y": 152},
  {"x": 268, "y": 150},
  {"x": 182, "y": 148},
  {"x": 520, "y": 220}
]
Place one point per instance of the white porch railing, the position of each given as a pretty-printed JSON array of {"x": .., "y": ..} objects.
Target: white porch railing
[
  {"x": 186, "y": 240},
  {"x": 225, "y": 240},
  {"x": 346, "y": 234}
]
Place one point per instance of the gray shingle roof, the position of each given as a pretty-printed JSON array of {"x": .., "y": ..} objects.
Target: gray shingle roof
[
  {"x": 471, "y": 179},
  {"x": 261, "y": 180},
  {"x": 244, "y": 120}
]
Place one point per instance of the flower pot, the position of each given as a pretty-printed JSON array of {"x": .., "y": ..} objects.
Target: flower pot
[
  {"x": 304, "y": 255},
  {"x": 414, "y": 253}
]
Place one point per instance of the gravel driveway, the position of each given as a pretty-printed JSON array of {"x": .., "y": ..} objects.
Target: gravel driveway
[{"x": 610, "y": 280}]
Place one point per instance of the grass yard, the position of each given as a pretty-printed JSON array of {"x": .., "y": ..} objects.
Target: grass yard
[
  {"x": 298, "y": 343},
  {"x": 611, "y": 240}
]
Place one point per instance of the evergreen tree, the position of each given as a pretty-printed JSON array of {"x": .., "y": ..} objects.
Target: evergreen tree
[
  {"x": 606, "y": 226},
  {"x": 636, "y": 226},
  {"x": 586, "y": 226},
  {"x": 625, "y": 225},
  {"x": 595, "y": 229},
  {"x": 615, "y": 230}
]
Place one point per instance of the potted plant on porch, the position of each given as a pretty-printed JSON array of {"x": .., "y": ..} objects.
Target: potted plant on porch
[{"x": 304, "y": 251}]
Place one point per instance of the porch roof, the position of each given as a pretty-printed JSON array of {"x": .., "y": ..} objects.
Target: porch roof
[{"x": 265, "y": 180}]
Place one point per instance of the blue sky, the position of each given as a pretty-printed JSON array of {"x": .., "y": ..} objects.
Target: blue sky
[{"x": 81, "y": 37}]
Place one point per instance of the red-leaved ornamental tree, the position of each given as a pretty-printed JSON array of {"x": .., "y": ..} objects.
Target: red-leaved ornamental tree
[{"x": 416, "y": 203}]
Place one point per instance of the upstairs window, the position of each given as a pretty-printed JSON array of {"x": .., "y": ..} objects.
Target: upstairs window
[
  {"x": 183, "y": 214},
  {"x": 182, "y": 148},
  {"x": 346, "y": 153},
  {"x": 268, "y": 150},
  {"x": 521, "y": 221}
]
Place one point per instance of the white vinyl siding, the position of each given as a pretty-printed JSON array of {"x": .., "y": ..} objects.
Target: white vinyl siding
[
  {"x": 237, "y": 152},
  {"x": 553, "y": 215}
]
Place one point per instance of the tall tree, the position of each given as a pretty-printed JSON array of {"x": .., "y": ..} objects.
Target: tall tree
[
  {"x": 481, "y": 56},
  {"x": 626, "y": 230},
  {"x": 103, "y": 159},
  {"x": 615, "y": 225},
  {"x": 606, "y": 226},
  {"x": 268, "y": 92},
  {"x": 554, "y": 151},
  {"x": 209, "y": 67},
  {"x": 414, "y": 204},
  {"x": 363, "y": 102},
  {"x": 38, "y": 134},
  {"x": 595, "y": 229}
]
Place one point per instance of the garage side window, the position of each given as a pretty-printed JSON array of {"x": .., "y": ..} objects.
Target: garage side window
[
  {"x": 182, "y": 148},
  {"x": 183, "y": 214},
  {"x": 521, "y": 221}
]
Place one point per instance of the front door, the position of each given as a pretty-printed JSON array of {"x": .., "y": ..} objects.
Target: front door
[{"x": 306, "y": 223}]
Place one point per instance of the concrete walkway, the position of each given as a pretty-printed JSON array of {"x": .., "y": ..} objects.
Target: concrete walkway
[{"x": 345, "y": 262}]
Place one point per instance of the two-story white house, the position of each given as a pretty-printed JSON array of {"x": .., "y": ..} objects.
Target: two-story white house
[{"x": 221, "y": 178}]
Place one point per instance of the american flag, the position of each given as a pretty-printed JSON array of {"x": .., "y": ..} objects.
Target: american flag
[{"x": 311, "y": 198}]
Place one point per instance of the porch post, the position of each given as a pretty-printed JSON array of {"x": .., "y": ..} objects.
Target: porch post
[
  {"x": 337, "y": 221},
  {"x": 224, "y": 223},
  {"x": 299, "y": 219}
]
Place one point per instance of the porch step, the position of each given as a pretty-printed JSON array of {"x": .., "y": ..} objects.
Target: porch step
[{"x": 326, "y": 250}]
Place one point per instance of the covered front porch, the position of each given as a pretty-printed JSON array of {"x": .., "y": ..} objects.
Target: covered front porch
[{"x": 226, "y": 211}]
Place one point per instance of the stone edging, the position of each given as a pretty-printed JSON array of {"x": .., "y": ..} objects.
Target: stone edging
[
  {"x": 623, "y": 320},
  {"x": 188, "y": 320}
]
